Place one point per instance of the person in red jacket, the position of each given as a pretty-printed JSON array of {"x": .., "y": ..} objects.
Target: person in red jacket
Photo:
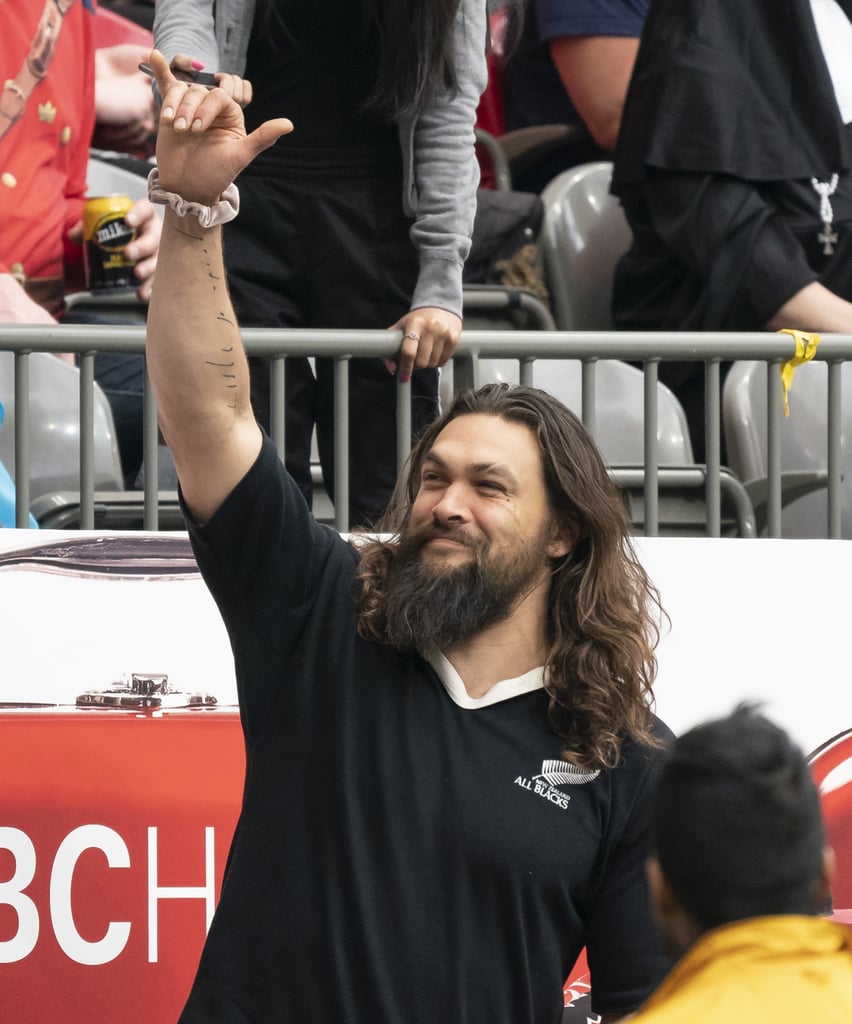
[
  {"x": 54, "y": 91},
  {"x": 47, "y": 116}
]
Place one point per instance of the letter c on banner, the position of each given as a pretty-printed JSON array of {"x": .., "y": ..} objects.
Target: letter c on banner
[{"x": 86, "y": 837}]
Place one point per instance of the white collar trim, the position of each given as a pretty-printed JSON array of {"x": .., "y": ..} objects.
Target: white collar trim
[
  {"x": 835, "y": 37},
  {"x": 504, "y": 690}
]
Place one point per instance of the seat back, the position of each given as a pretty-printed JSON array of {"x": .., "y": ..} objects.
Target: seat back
[
  {"x": 619, "y": 409},
  {"x": 54, "y": 423},
  {"x": 104, "y": 178},
  {"x": 584, "y": 235},
  {"x": 804, "y": 442}
]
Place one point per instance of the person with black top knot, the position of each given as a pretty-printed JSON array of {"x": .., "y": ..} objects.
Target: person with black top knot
[
  {"x": 362, "y": 217},
  {"x": 734, "y": 168}
]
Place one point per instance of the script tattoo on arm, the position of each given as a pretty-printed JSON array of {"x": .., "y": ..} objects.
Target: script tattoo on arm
[{"x": 226, "y": 365}]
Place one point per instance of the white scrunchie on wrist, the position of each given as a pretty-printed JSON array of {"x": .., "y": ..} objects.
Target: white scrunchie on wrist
[{"x": 208, "y": 216}]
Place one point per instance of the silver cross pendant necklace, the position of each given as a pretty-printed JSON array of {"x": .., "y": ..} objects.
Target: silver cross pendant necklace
[{"x": 825, "y": 190}]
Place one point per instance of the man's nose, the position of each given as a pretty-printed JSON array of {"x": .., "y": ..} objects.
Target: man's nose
[{"x": 452, "y": 505}]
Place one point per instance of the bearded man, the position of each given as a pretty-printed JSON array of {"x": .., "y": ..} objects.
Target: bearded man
[{"x": 448, "y": 733}]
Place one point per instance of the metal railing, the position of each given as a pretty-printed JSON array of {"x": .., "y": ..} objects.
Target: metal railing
[{"x": 647, "y": 349}]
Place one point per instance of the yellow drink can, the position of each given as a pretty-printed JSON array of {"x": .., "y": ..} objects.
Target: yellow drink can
[{"x": 105, "y": 237}]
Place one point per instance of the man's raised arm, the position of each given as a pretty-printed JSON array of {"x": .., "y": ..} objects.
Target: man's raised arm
[{"x": 195, "y": 357}]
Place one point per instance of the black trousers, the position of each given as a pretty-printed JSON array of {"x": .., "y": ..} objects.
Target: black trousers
[{"x": 313, "y": 247}]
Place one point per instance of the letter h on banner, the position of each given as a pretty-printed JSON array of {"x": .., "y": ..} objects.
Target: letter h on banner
[{"x": 206, "y": 892}]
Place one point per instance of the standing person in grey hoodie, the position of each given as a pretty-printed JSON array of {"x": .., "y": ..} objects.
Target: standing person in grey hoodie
[{"x": 362, "y": 217}]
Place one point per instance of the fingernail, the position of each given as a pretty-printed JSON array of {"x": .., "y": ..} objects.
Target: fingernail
[
  {"x": 180, "y": 124},
  {"x": 168, "y": 112},
  {"x": 198, "y": 64},
  {"x": 196, "y": 124}
]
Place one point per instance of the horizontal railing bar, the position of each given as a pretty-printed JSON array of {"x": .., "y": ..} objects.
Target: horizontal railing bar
[{"x": 630, "y": 345}]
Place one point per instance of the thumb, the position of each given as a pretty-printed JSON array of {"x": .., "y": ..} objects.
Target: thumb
[{"x": 267, "y": 134}]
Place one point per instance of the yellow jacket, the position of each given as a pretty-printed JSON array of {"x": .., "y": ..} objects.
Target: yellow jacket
[{"x": 761, "y": 971}]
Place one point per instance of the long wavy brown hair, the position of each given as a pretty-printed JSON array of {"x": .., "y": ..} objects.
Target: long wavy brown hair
[{"x": 604, "y": 613}]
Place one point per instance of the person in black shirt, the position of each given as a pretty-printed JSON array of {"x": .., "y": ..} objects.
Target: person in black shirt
[
  {"x": 449, "y": 734},
  {"x": 734, "y": 170}
]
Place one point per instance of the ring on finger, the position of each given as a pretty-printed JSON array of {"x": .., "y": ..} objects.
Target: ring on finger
[{"x": 412, "y": 335}]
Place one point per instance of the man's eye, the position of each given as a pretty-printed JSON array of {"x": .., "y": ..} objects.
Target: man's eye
[{"x": 491, "y": 485}]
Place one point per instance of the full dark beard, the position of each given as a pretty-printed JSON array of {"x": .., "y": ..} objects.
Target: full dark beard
[{"x": 431, "y": 608}]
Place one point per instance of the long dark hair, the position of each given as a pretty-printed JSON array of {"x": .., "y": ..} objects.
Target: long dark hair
[
  {"x": 604, "y": 612},
  {"x": 415, "y": 48}
]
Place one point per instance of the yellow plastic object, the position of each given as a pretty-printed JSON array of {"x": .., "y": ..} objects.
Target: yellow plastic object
[{"x": 806, "y": 346}]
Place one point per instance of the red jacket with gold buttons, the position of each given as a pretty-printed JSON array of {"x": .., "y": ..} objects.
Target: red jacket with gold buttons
[{"x": 44, "y": 153}]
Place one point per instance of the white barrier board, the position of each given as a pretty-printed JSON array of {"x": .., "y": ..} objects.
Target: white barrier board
[
  {"x": 767, "y": 620},
  {"x": 750, "y": 619}
]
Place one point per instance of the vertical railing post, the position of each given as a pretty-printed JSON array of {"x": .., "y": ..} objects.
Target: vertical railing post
[
  {"x": 150, "y": 457},
  {"x": 86, "y": 366},
  {"x": 278, "y": 403},
  {"x": 835, "y": 432},
  {"x": 712, "y": 447},
  {"x": 403, "y": 422},
  {"x": 773, "y": 448},
  {"x": 588, "y": 394},
  {"x": 651, "y": 500},
  {"x": 22, "y": 439},
  {"x": 341, "y": 443},
  {"x": 465, "y": 371}
]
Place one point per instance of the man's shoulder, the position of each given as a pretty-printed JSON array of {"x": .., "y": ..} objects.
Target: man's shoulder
[
  {"x": 264, "y": 517},
  {"x": 660, "y": 731},
  {"x": 638, "y": 758}
]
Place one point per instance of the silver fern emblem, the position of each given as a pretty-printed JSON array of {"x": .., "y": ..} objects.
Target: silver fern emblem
[{"x": 563, "y": 773}]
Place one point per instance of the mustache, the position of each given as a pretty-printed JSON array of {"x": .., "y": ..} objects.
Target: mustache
[{"x": 416, "y": 537}]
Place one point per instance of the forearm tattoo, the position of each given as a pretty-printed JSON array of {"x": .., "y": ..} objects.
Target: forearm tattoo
[{"x": 227, "y": 363}]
